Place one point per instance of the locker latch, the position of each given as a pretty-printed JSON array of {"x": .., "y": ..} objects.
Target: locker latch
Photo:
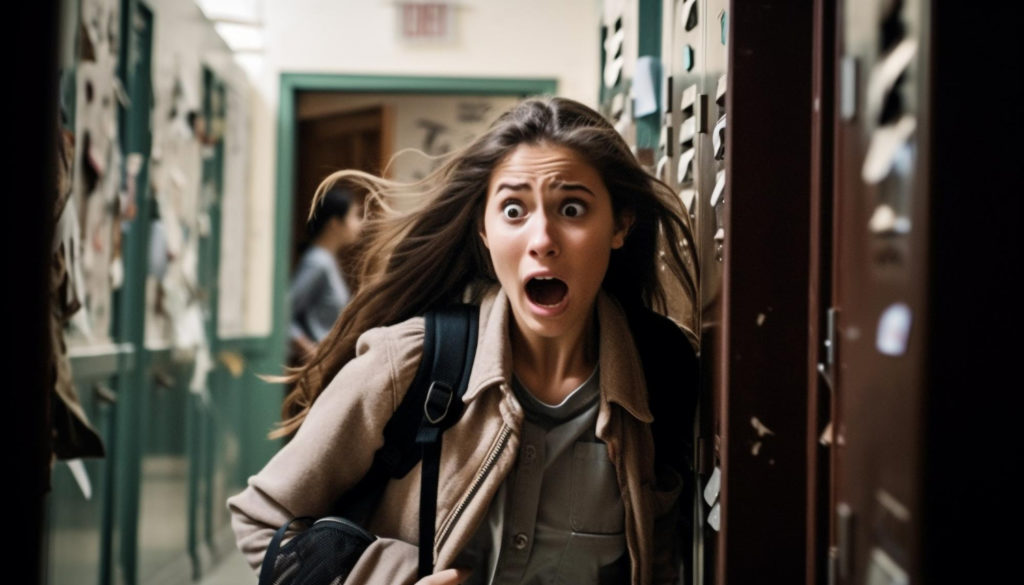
[{"x": 827, "y": 367}]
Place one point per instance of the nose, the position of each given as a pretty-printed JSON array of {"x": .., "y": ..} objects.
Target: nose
[{"x": 543, "y": 237}]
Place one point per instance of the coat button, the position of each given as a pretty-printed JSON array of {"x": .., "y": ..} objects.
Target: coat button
[
  {"x": 520, "y": 541},
  {"x": 529, "y": 454}
]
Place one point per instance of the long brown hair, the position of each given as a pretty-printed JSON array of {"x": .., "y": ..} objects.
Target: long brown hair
[{"x": 428, "y": 253}]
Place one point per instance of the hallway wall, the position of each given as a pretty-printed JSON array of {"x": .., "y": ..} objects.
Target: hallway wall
[{"x": 530, "y": 39}]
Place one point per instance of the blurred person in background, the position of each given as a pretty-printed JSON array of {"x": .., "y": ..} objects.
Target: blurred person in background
[{"x": 319, "y": 288}]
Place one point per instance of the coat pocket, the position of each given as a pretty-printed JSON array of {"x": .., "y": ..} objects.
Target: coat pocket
[
  {"x": 596, "y": 502},
  {"x": 387, "y": 561}
]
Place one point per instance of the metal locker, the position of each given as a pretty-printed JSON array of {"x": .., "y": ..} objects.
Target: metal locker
[{"x": 922, "y": 261}]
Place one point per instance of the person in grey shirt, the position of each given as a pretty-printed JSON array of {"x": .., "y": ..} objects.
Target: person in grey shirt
[{"x": 319, "y": 290}]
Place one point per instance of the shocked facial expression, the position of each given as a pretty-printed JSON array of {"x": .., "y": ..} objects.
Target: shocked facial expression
[{"x": 550, "y": 228}]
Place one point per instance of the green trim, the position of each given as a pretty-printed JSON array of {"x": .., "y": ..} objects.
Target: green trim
[
  {"x": 649, "y": 28},
  {"x": 649, "y": 44},
  {"x": 193, "y": 431},
  {"x": 251, "y": 346},
  {"x": 291, "y": 82},
  {"x": 203, "y": 411},
  {"x": 134, "y": 384}
]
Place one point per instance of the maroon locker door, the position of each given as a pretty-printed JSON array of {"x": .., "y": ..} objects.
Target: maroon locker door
[
  {"x": 735, "y": 143},
  {"x": 927, "y": 106},
  {"x": 881, "y": 230},
  {"x": 762, "y": 350}
]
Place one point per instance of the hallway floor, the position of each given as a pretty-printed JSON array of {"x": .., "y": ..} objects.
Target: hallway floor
[{"x": 232, "y": 570}]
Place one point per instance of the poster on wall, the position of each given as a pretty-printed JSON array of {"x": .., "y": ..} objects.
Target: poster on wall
[
  {"x": 174, "y": 313},
  {"x": 435, "y": 126},
  {"x": 92, "y": 226}
]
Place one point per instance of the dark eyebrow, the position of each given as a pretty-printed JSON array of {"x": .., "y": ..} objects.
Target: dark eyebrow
[
  {"x": 561, "y": 186},
  {"x": 512, "y": 186},
  {"x": 574, "y": 187}
]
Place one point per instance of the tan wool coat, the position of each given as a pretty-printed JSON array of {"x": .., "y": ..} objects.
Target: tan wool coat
[{"x": 335, "y": 445}]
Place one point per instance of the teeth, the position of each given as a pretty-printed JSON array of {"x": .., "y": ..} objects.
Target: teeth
[{"x": 544, "y": 277}]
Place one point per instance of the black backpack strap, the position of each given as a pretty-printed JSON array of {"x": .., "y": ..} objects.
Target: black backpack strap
[
  {"x": 432, "y": 404},
  {"x": 454, "y": 330}
]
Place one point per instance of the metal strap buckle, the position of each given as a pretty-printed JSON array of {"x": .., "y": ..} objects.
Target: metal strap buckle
[{"x": 440, "y": 387}]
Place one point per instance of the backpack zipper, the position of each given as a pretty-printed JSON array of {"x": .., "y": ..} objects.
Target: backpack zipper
[{"x": 489, "y": 463}]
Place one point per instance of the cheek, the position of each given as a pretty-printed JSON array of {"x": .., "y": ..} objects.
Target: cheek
[
  {"x": 503, "y": 250},
  {"x": 597, "y": 251},
  {"x": 497, "y": 244}
]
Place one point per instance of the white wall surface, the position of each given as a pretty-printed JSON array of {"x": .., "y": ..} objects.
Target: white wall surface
[{"x": 557, "y": 39}]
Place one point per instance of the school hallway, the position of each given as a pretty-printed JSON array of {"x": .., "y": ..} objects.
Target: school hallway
[
  {"x": 231, "y": 570},
  {"x": 848, "y": 170}
]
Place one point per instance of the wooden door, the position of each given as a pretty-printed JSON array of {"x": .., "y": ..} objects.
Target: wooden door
[{"x": 350, "y": 140}]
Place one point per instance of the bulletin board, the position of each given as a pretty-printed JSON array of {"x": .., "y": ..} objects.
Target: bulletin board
[{"x": 89, "y": 227}]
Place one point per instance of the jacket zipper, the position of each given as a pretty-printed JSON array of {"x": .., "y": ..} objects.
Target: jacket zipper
[{"x": 489, "y": 463}]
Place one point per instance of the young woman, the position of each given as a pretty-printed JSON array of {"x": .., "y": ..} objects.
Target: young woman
[{"x": 548, "y": 222}]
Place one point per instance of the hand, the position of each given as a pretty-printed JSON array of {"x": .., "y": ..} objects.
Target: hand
[{"x": 445, "y": 577}]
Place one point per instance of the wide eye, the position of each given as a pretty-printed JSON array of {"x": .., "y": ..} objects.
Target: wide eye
[
  {"x": 573, "y": 208},
  {"x": 513, "y": 210}
]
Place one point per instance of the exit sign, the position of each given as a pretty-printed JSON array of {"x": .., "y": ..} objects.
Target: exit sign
[{"x": 426, "y": 21}]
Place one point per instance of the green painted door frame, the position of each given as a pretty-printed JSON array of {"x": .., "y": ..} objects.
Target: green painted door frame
[{"x": 136, "y": 59}]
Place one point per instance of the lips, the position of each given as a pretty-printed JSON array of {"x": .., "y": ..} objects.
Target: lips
[{"x": 546, "y": 291}]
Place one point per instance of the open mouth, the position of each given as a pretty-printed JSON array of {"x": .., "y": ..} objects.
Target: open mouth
[{"x": 546, "y": 291}]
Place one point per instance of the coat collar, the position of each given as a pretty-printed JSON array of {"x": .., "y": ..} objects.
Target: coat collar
[{"x": 622, "y": 379}]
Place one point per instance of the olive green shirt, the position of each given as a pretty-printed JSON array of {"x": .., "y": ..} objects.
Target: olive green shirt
[{"x": 558, "y": 518}]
